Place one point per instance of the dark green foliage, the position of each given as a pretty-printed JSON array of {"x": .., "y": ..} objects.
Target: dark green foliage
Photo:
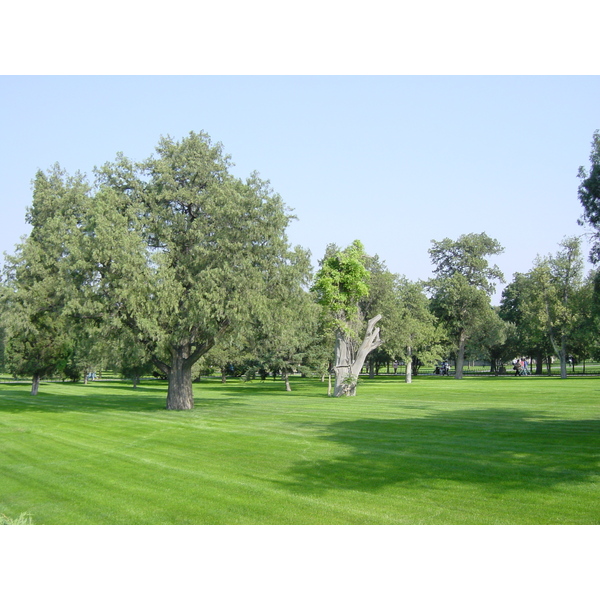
[
  {"x": 589, "y": 195},
  {"x": 462, "y": 287},
  {"x": 169, "y": 253}
]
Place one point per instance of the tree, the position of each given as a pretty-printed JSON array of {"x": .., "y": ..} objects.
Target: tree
[
  {"x": 556, "y": 280},
  {"x": 36, "y": 292},
  {"x": 494, "y": 340},
  {"x": 589, "y": 196},
  {"x": 281, "y": 338},
  {"x": 462, "y": 286},
  {"x": 380, "y": 299},
  {"x": 340, "y": 284},
  {"x": 584, "y": 341},
  {"x": 530, "y": 337},
  {"x": 412, "y": 333},
  {"x": 179, "y": 251}
]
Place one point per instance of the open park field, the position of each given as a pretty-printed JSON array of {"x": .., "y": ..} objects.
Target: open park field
[{"x": 439, "y": 451}]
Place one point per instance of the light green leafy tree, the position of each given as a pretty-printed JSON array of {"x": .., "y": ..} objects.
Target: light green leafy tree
[{"x": 340, "y": 283}]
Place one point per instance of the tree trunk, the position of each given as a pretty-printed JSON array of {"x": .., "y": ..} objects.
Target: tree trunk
[
  {"x": 286, "y": 378},
  {"x": 180, "y": 395},
  {"x": 348, "y": 367},
  {"x": 35, "y": 384},
  {"x": 460, "y": 357},
  {"x": 343, "y": 365},
  {"x": 408, "y": 377},
  {"x": 539, "y": 363},
  {"x": 563, "y": 357},
  {"x": 561, "y": 352}
]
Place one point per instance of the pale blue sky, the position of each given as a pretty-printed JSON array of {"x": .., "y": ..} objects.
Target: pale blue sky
[{"x": 394, "y": 161}]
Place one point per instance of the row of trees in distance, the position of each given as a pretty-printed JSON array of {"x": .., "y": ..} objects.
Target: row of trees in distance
[{"x": 173, "y": 265}]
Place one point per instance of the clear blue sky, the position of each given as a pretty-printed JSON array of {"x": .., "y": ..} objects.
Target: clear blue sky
[{"x": 394, "y": 161}]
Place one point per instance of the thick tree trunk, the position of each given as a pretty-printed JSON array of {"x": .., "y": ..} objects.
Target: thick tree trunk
[
  {"x": 180, "y": 395},
  {"x": 35, "y": 384},
  {"x": 539, "y": 363},
  {"x": 347, "y": 367},
  {"x": 371, "y": 370},
  {"x": 342, "y": 366}
]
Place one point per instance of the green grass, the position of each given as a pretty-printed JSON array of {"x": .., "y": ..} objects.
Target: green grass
[{"x": 477, "y": 451}]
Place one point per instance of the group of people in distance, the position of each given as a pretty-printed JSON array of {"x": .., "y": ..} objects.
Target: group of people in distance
[{"x": 521, "y": 366}]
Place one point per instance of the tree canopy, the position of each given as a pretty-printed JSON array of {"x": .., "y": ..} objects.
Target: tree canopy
[
  {"x": 462, "y": 286},
  {"x": 589, "y": 196},
  {"x": 177, "y": 251}
]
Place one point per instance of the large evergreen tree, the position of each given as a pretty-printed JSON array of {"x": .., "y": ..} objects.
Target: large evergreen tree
[
  {"x": 178, "y": 251},
  {"x": 38, "y": 294}
]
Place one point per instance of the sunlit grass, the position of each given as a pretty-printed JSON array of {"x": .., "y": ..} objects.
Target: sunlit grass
[{"x": 438, "y": 451}]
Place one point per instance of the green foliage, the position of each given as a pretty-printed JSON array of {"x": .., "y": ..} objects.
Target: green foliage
[
  {"x": 174, "y": 250},
  {"x": 551, "y": 305},
  {"x": 341, "y": 282},
  {"x": 467, "y": 257},
  {"x": 589, "y": 195},
  {"x": 37, "y": 291},
  {"x": 462, "y": 287},
  {"x": 417, "y": 331},
  {"x": 529, "y": 338}
]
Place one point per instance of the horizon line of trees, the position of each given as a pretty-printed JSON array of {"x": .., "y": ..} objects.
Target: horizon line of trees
[{"x": 173, "y": 266}]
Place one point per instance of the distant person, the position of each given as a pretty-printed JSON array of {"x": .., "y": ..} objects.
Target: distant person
[
  {"x": 395, "y": 366},
  {"x": 518, "y": 367},
  {"x": 525, "y": 366}
]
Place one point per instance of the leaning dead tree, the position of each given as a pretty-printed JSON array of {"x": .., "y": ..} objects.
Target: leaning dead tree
[{"x": 349, "y": 363}]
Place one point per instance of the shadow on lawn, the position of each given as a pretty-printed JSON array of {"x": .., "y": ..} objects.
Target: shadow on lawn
[
  {"x": 123, "y": 398},
  {"x": 501, "y": 448}
]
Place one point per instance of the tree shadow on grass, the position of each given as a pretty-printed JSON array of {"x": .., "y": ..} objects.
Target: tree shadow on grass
[
  {"x": 501, "y": 449},
  {"x": 143, "y": 398}
]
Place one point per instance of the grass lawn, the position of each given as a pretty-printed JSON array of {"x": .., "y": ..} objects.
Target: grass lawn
[{"x": 439, "y": 451}]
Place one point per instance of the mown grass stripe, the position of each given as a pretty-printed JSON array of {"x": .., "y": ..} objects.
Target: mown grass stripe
[{"x": 438, "y": 451}]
